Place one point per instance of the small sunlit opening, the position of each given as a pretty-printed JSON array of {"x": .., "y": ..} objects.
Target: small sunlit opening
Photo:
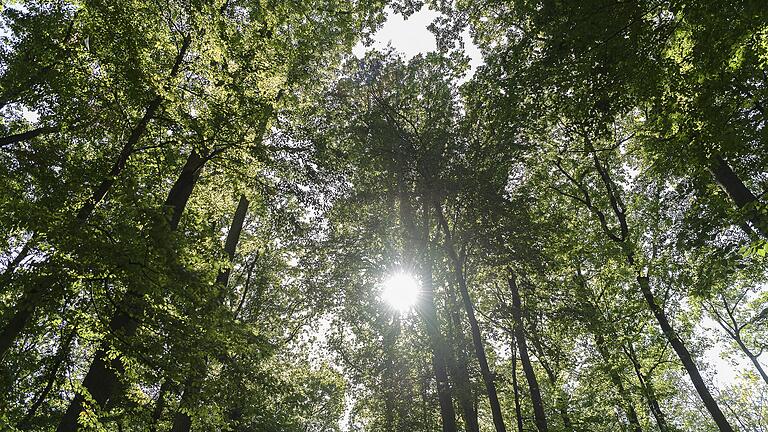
[{"x": 400, "y": 291}]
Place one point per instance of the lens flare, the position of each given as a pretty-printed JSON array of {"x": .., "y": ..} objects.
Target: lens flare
[{"x": 400, "y": 291}]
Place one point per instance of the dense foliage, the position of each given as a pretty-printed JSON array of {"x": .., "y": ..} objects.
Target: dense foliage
[{"x": 201, "y": 201}]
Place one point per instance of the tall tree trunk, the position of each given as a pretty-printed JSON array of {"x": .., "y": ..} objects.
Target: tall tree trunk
[
  {"x": 157, "y": 412},
  {"x": 619, "y": 211},
  {"x": 562, "y": 405},
  {"x": 101, "y": 381},
  {"x": 649, "y": 392},
  {"x": 683, "y": 355},
  {"x": 429, "y": 312},
  {"x": 182, "y": 421},
  {"x": 460, "y": 372},
  {"x": 426, "y": 307},
  {"x": 533, "y": 384},
  {"x": 730, "y": 182},
  {"x": 618, "y": 384},
  {"x": 35, "y": 294},
  {"x": 53, "y": 372},
  {"x": 477, "y": 339},
  {"x": 516, "y": 388}
]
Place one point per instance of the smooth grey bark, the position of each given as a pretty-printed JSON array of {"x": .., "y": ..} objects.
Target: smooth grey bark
[
  {"x": 733, "y": 329},
  {"x": 685, "y": 356},
  {"x": 516, "y": 388},
  {"x": 477, "y": 338},
  {"x": 102, "y": 380},
  {"x": 540, "y": 417},
  {"x": 622, "y": 239},
  {"x": 36, "y": 293},
  {"x": 182, "y": 422},
  {"x": 460, "y": 372},
  {"x": 427, "y": 310},
  {"x": 730, "y": 182},
  {"x": 649, "y": 393}
]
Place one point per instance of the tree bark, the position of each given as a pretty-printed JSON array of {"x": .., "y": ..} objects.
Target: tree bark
[
  {"x": 426, "y": 307},
  {"x": 34, "y": 295},
  {"x": 753, "y": 358},
  {"x": 618, "y": 384},
  {"x": 551, "y": 376},
  {"x": 730, "y": 182},
  {"x": 129, "y": 147},
  {"x": 477, "y": 339},
  {"x": 182, "y": 422},
  {"x": 28, "y": 135},
  {"x": 619, "y": 211},
  {"x": 533, "y": 384},
  {"x": 648, "y": 391},
  {"x": 233, "y": 238},
  {"x": 516, "y": 388},
  {"x": 461, "y": 373},
  {"x": 684, "y": 355},
  {"x": 157, "y": 412},
  {"x": 101, "y": 381},
  {"x": 429, "y": 312}
]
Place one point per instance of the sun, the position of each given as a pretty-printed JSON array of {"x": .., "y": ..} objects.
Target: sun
[{"x": 400, "y": 291}]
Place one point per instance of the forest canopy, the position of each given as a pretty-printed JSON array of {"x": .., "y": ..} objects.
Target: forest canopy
[{"x": 214, "y": 216}]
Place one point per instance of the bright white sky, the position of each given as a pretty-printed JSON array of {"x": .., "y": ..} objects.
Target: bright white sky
[{"x": 411, "y": 37}]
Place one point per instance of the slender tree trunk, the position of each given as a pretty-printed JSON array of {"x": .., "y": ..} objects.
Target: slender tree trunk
[
  {"x": 730, "y": 182},
  {"x": 101, "y": 381},
  {"x": 34, "y": 295},
  {"x": 485, "y": 371},
  {"x": 477, "y": 339},
  {"x": 619, "y": 210},
  {"x": 516, "y": 388},
  {"x": 182, "y": 421},
  {"x": 130, "y": 145},
  {"x": 429, "y": 312},
  {"x": 53, "y": 373},
  {"x": 684, "y": 356},
  {"x": 157, "y": 412},
  {"x": 461, "y": 373},
  {"x": 562, "y": 406},
  {"x": 618, "y": 384},
  {"x": 426, "y": 307},
  {"x": 533, "y": 384},
  {"x": 649, "y": 392}
]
